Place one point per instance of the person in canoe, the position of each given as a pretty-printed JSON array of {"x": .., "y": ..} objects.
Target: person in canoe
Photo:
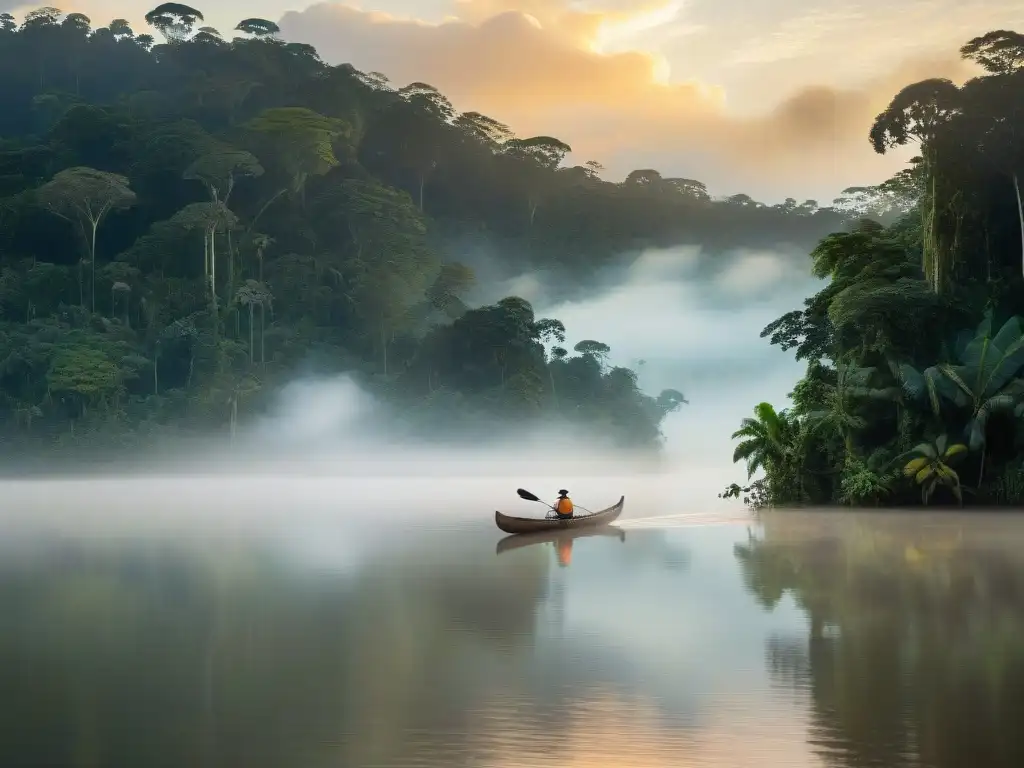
[{"x": 563, "y": 506}]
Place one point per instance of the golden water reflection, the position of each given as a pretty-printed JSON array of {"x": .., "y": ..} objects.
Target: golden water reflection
[{"x": 818, "y": 639}]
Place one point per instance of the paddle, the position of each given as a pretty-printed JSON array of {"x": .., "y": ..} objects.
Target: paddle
[{"x": 524, "y": 494}]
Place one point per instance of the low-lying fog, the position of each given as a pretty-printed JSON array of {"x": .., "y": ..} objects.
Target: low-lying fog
[
  {"x": 676, "y": 322},
  {"x": 695, "y": 332},
  {"x": 670, "y": 318}
]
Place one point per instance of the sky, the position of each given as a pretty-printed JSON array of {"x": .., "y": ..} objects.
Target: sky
[{"x": 771, "y": 99}]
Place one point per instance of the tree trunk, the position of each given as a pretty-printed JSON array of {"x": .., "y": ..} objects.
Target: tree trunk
[
  {"x": 422, "y": 184},
  {"x": 988, "y": 248},
  {"x": 92, "y": 262},
  {"x": 250, "y": 334},
  {"x": 263, "y": 327},
  {"x": 213, "y": 270},
  {"x": 902, "y": 427},
  {"x": 1020, "y": 218},
  {"x": 981, "y": 468},
  {"x": 231, "y": 271},
  {"x": 929, "y": 246},
  {"x": 932, "y": 224},
  {"x": 213, "y": 298}
]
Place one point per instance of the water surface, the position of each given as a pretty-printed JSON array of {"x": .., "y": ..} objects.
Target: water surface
[{"x": 275, "y": 623}]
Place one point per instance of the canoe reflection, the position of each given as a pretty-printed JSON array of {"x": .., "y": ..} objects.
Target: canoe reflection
[{"x": 562, "y": 540}]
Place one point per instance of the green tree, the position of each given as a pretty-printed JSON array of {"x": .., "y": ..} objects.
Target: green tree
[
  {"x": 1000, "y": 52},
  {"x": 120, "y": 29},
  {"x": 763, "y": 438},
  {"x": 595, "y": 349},
  {"x": 84, "y": 197},
  {"x": 85, "y": 375},
  {"x": 840, "y": 414},
  {"x": 208, "y": 35},
  {"x": 208, "y": 218},
  {"x": 771, "y": 441},
  {"x": 484, "y": 129},
  {"x": 423, "y": 117},
  {"x": 258, "y": 28},
  {"x": 302, "y": 139},
  {"x": 919, "y": 112},
  {"x": 174, "y": 20},
  {"x": 250, "y": 295},
  {"x": 220, "y": 171},
  {"x": 391, "y": 260},
  {"x": 539, "y": 157},
  {"x": 670, "y": 400}
]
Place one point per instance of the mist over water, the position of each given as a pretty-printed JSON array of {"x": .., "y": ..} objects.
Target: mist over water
[
  {"x": 680, "y": 318},
  {"x": 668, "y": 315}
]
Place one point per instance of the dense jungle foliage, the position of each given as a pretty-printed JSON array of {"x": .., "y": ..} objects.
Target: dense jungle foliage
[
  {"x": 915, "y": 347},
  {"x": 186, "y": 223}
]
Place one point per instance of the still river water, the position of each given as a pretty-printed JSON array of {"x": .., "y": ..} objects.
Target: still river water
[{"x": 203, "y": 623}]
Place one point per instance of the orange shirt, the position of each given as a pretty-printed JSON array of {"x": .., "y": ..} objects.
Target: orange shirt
[{"x": 564, "y": 506}]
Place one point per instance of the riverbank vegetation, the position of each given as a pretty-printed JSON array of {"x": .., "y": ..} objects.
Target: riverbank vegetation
[{"x": 914, "y": 390}]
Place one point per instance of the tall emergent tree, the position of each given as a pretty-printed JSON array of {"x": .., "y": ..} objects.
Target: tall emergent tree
[
  {"x": 174, "y": 20},
  {"x": 84, "y": 196}
]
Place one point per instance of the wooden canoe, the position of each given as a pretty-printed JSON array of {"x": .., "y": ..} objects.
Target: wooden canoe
[
  {"x": 510, "y": 524},
  {"x": 519, "y": 540}
]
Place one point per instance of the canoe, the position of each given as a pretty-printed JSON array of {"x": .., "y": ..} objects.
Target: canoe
[
  {"x": 519, "y": 540},
  {"x": 510, "y": 524}
]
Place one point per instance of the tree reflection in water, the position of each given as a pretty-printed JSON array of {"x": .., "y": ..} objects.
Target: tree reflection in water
[
  {"x": 915, "y": 649},
  {"x": 149, "y": 655}
]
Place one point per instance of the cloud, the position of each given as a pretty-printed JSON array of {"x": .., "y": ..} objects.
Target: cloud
[{"x": 538, "y": 65}]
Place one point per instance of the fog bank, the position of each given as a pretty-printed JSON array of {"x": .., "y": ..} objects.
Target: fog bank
[{"x": 679, "y": 318}]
